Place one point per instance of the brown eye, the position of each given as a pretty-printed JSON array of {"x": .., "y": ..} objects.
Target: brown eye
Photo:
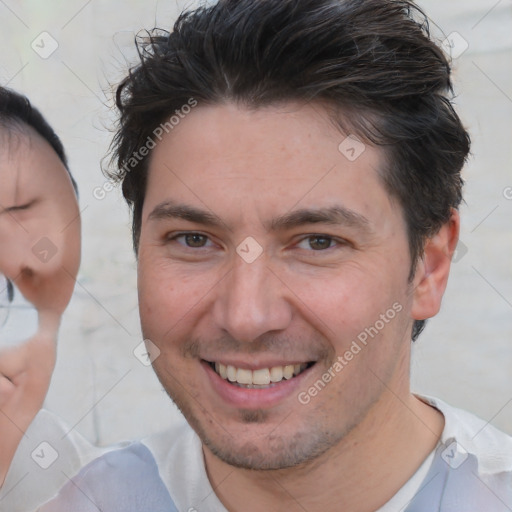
[
  {"x": 195, "y": 240},
  {"x": 319, "y": 243}
]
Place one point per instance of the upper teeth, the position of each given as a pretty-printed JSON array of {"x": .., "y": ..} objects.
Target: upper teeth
[{"x": 261, "y": 377}]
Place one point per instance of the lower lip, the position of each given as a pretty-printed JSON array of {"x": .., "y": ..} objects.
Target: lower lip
[{"x": 253, "y": 398}]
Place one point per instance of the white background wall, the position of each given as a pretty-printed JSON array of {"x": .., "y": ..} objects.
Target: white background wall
[{"x": 99, "y": 387}]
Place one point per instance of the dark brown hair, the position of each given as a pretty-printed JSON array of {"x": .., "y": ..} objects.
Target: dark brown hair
[{"x": 373, "y": 61}]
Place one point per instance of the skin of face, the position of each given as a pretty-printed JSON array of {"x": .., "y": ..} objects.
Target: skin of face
[
  {"x": 334, "y": 260},
  {"x": 39, "y": 221}
]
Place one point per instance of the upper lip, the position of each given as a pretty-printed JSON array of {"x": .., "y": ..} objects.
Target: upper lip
[{"x": 256, "y": 364}]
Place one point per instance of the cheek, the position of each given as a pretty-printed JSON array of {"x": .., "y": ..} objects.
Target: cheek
[
  {"x": 157, "y": 298},
  {"x": 345, "y": 302},
  {"x": 168, "y": 298},
  {"x": 14, "y": 248}
]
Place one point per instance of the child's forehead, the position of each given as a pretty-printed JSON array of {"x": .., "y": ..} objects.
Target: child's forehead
[{"x": 14, "y": 136}]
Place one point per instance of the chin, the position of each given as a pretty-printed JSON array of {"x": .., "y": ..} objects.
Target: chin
[
  {"x": 268, "y": 454},
  {"x": 256, "y": 446}
]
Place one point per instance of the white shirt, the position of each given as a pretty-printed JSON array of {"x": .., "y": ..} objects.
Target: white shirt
[{"x": 470, "y": 470}]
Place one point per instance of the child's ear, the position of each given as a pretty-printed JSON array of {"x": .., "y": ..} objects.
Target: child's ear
[{"x": 433, "y": 268}]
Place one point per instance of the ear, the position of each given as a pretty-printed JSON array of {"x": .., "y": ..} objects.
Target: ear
[{"x": 432, "y": 270}]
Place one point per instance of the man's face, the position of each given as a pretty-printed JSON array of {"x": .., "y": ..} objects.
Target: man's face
[{"x": 265, "y": 249}]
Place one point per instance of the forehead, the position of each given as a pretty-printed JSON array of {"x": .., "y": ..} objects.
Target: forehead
[
  {"x": 267, "y": 160},
  {"x": 28, "y": 164},
  {"x": 13, "y": 139}
]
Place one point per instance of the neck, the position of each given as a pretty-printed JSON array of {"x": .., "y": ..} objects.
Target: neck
[{"x": 360, "y": 474}]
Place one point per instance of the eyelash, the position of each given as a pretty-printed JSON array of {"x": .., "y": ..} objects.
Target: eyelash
[
  {"x": 332, "y": 240},
  {"x": 21, "y": 207},
  {"x": 177, "y": 236}
]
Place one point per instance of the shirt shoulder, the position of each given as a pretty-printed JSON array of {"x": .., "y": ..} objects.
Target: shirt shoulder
[
  {"x": 126, "y": 480},
  {"x": 491, "y": 447},
  {"x": 187, "y": 482},
  {"x": 49, "y": 453},
  {"x": 472, "y": 467}
]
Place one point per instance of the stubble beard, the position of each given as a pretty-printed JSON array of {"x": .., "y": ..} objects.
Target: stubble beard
[{"x": 275, "y": 448}]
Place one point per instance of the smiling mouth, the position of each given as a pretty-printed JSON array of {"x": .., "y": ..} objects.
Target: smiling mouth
[{"x": 258, "y": 379}]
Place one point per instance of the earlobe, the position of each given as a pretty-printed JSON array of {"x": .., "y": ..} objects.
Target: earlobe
[{"x": 432, "y": 271}]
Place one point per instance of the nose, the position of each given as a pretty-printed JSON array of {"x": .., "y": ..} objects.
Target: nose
[
  {"x": 251, "y": 301},
  {"x": 41, "y": 267}
]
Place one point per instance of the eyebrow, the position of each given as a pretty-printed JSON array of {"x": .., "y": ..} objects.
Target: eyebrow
[
  {"x": 171, "y": 210},
  {"x": 336, "y": 215}
]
